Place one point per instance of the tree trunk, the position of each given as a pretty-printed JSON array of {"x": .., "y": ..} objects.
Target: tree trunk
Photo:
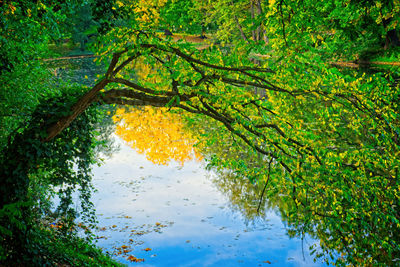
[
  {"x": 253, "y": 32},
  {"x": 260, "y": 27},
  {"x": 392, "y": 38},
  {"x": 76, "y": 109}
]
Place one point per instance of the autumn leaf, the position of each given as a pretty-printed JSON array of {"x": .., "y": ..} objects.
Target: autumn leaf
[{"x": 134, "y": 259}]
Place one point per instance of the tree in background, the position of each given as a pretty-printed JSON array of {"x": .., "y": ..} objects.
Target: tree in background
[
  {"x": 105, "y": 13},
  {"x": 187, "y": 17},
  {"x": 345, "y": 28},
  {"x": 175, "y": 15},
  {"x": 26, "y": 28},
  {"x": 83, "y": 25},
  {"x": 237, "y": 20}
]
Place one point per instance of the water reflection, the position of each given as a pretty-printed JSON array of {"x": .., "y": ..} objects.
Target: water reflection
[
  {"x": 157, "y": 134},
  {"x": 182, "y": 215},
  {"x": 244, "y": 194},
  {"x": 349, "y": 229}
]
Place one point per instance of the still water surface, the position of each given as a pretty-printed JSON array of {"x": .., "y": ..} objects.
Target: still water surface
[{"x": 173, "y": 215}]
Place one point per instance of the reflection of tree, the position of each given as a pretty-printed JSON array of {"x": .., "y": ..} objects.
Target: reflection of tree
[
  {"x": 157, "y": 134},
  {"x": 105, "y": 129},
  {"x": 217, "y": 145},
  {"x": 243, "y": 196},
  {"x": 307, "y": 211}
]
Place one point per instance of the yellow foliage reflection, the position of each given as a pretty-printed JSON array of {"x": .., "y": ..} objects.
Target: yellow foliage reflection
[{"x": 157, "y": 134}]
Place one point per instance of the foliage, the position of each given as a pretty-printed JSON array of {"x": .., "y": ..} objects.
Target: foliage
[
  {"x": 62, "y": 166},
  {"x": 73, "y": 250},
  {"x": 237, "y": 21},
  {"x": 83, "y": 25},
  {"x": 50, "y": 247},
  {"x": 27, "y": 27},
  {"x": 328, "y": 139},
  {"x": 105, "y": 14},
  {"x": 356, "y": 222},
  {"x": 24, "y": 32},
  {"x": 19, "y": 97},
  {"x": 32, "y": 172},
  {"x": 328, "y": 133},
  {"x": 156, "y": 134},
  {"x": 344, "y": 29},
  {"x": 157, "y": 15},
  {"x": 336, "y": 29},
  {"x": 177, "y": 16}
]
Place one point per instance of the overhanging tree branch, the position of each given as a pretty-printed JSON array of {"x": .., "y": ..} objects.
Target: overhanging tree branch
[{"x": 136, "y": 94}]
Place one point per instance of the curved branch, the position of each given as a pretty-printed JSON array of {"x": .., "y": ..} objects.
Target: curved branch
[{"x": 189, "y": 58}]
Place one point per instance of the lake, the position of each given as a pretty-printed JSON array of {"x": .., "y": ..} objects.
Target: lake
[
  {"x": 157, "y": 205},
  {"x": 174, "y": 215}
]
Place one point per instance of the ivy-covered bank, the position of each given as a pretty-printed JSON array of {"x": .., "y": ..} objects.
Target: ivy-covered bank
[{"x": 33, "y": 172}]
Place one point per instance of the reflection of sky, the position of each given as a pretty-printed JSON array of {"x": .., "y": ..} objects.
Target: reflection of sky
[{"x": 200, "y": 228}]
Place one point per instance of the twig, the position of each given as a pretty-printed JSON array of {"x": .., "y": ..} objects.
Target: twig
[{"x": 265, "y": 187}]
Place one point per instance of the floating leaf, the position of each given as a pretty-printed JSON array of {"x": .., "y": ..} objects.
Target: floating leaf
[{"x": 134, "y": 259}]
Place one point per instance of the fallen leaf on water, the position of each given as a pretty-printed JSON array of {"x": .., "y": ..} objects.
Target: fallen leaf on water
[
  {"x": 147, "y": 249},
  {"x": 267, "y": 262},
  {"x": 134, "y": 259}
]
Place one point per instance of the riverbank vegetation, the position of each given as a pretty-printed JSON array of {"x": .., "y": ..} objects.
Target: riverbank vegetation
[{"x": 303, "y": 97}]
